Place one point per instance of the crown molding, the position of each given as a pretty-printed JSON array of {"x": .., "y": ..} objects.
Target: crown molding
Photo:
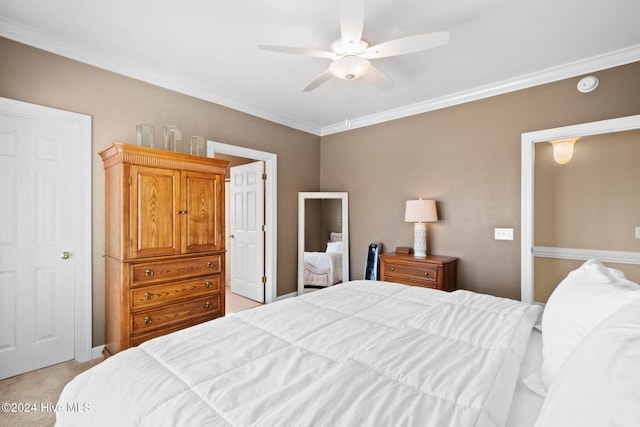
[
  {"x": 26, "y": 35},
  {"x": 549, "y": 75}
]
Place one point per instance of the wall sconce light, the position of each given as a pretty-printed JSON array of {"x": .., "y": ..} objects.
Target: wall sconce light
[
  {"x": 420, "y": 212},
  {"x": 563, "y": 149}
]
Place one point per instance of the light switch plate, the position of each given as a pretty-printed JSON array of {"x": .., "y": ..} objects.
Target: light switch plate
[
  {"x": 503, "y": 234},
  {"x": 637, "y": 232}
]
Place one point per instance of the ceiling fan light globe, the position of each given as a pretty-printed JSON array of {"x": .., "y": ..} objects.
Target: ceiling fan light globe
[{"x": 349, "y": 67}]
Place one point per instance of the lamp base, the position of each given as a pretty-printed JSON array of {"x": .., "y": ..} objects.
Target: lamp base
[{"x": 420, "y": 239}]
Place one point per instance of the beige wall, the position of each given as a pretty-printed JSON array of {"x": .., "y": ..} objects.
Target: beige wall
[
  {"x": 466, "y": 157},
  {"x": 116, "y": 104}
]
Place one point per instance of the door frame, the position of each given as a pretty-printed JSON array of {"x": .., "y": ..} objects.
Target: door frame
[
  {"x": 83, "y": 319},
  {"x": 528, "y": 141},
  {"x": 271, "y": 211}
]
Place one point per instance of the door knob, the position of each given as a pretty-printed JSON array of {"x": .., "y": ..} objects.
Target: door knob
[{"x": 65, "y": 255}]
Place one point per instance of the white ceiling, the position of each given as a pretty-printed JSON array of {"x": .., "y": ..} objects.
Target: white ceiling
[{"x": 208, "y": 49}]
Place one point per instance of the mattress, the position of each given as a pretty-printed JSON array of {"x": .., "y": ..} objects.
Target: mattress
[{"x": 358, "y": 353}]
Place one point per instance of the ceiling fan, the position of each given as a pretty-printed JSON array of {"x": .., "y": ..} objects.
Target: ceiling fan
[{"x": 351, "y": 54}]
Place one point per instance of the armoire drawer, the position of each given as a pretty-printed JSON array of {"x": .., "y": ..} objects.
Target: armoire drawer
[
  {"x": 162, "y": 271},
  {"x": 167, "y": 316},
  {"x": 168, "y": 293}
]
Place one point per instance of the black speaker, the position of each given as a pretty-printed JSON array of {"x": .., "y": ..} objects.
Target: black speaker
[{"x": 372, "y": 268}]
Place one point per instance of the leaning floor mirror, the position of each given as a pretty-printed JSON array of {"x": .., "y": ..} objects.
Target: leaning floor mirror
[{"x": 323, "y": 240}]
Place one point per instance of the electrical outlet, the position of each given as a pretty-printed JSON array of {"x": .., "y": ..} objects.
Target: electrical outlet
[
  {"x": 503, "y": 234},
  {"x": 637, "y": 232}
]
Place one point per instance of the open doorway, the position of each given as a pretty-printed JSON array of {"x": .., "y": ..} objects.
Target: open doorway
[
  {"x": 574, "y": 250},
  {"x": 240, "y": 155}
]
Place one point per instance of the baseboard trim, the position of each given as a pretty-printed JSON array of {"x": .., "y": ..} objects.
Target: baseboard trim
[{"x": 285, "y": 296}]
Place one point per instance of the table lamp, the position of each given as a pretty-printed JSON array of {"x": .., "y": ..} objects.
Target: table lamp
[{"x": 420, "y": 212}]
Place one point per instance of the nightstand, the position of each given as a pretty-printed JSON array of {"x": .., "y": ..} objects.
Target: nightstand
[{"x": 432, "y": 271}]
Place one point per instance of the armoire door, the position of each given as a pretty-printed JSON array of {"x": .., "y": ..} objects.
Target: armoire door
[
  {"x": 154, "y": 212},
  {"x": 202, "y": 212}
]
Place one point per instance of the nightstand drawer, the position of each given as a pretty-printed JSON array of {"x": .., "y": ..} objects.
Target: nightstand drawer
[
  {"x": 412, "y": 272},
  {"x": 436, "y": 272}
]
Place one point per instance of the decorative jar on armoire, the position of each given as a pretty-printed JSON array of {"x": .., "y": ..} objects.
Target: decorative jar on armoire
[{"x": 164, "y": 242}]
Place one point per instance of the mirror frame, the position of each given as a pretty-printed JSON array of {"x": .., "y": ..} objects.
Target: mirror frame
[
  {"x": 302, "y": 197},
  {"x": 529, "y": 140}
]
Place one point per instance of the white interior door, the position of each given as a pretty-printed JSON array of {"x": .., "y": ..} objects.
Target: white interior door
[
  {"x": 40, "y": 237},
  {"x": 246, "y": 249}
]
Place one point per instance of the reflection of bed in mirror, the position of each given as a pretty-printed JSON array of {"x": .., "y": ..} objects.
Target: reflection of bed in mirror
[{"x": 322, "y": 269}]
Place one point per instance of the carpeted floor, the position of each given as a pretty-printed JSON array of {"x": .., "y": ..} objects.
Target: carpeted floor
[{"x": 36, "y": 392}]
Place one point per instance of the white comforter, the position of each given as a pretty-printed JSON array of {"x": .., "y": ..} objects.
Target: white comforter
[{"x": 356, "y": 354}]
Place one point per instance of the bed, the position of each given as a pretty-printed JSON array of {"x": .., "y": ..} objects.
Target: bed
[
  {"x": 368, "y": 354},
  {"x": 322, "y": 269}
]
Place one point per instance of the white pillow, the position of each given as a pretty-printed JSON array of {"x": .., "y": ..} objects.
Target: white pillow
[
  {"x": 581, "y": 301},
  {"x": 599, "y": 385},
  {"x": 334, "y": 247}
]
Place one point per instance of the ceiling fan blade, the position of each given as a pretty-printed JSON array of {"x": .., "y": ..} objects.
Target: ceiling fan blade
[
  {"x": 321, "y": 78},
  {"x": 298, "y": 51},
  {"x": 352, "y": 20},
  {"x": 405, "y": 45},
  {"x": 378, "y": 78}
]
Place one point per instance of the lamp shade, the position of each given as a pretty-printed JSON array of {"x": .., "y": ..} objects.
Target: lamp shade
[
  {"x": 563, "y": 149},
  {"x": 420, "y": 211}
]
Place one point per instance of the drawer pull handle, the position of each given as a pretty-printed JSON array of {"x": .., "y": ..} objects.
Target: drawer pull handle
[
  {"x": 148, "y": 273},
  {"x": 207, "y": 305},
  {"x": 148, "y": 296},
  {"x": 393, "y": 269},
  {"x": 147, "y": 320},
  {"x": 209, "y": 264},
  {"x": 208, "y": 284},
  {"x": 426, "y": 273}
]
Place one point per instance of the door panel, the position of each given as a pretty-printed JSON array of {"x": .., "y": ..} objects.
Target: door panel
[
  {"x": 155, "y": 194},
  {"x": 202, "y": 220},
  {"x": 247, "y": 218},
  {"x": 39, "y": 223}
]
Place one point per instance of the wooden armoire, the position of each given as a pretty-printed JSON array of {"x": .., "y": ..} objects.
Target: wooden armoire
[{"x": 164, "y": 242}]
